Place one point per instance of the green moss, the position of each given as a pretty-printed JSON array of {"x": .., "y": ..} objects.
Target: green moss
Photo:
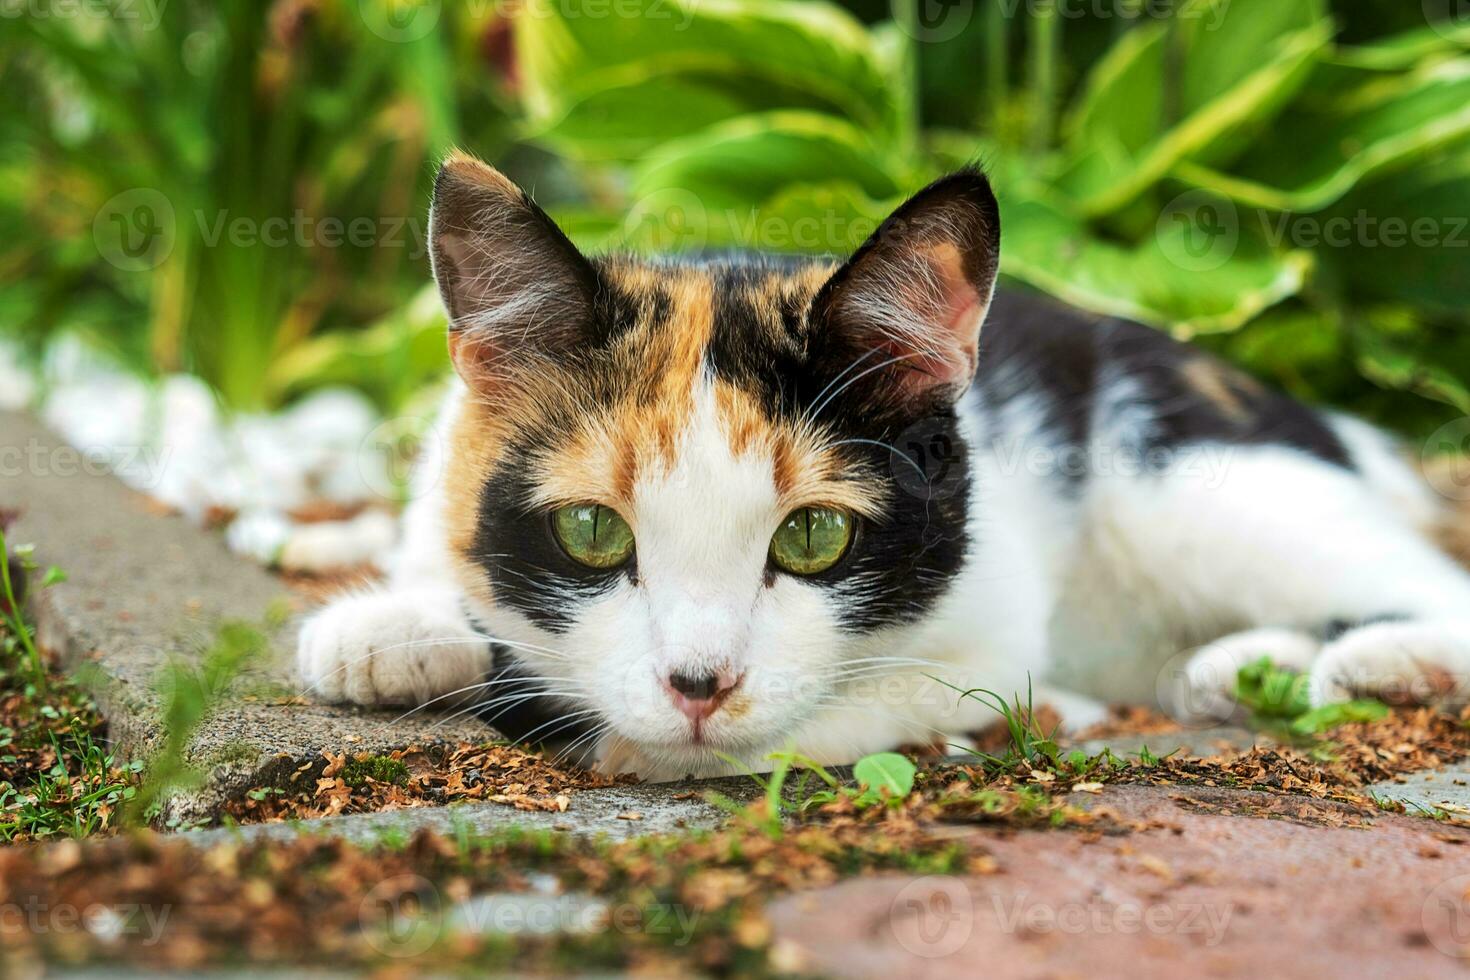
[{"x": 378, "y": 768}]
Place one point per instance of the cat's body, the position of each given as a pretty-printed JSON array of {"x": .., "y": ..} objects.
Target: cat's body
[{"x": 1078, "y": 502}]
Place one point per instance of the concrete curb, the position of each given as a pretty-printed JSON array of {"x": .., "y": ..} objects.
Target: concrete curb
[{"x": 146, "y": 589}]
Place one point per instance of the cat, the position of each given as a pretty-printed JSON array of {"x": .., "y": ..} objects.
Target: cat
[{"x": 715, "y": 507}]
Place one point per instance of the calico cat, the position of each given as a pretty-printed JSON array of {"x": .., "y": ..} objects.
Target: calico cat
[{"x": 717, "y": 507}]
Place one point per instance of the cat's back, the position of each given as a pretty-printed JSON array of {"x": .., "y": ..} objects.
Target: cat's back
[{"x": 1088, "y": 381}]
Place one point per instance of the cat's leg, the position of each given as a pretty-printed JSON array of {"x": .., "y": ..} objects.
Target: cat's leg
[
  {"x": 1288, "y": 548},
  {"x": 1424, "y": 661}
]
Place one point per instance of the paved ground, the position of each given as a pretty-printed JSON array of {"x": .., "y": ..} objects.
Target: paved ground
[
  {"x": 1297, "y": 889},
  {"x": 145, "y": 589}
]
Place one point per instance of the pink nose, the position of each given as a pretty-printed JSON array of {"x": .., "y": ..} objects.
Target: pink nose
[{"x": 699, "y": 695}]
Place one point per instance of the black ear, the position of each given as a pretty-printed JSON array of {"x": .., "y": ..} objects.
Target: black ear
[
  {"x": 514, "y": 287},
  {"x": 916, "y": 292}
]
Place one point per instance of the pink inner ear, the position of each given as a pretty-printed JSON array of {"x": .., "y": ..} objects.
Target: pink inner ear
[{"x": 945, "y": 312}]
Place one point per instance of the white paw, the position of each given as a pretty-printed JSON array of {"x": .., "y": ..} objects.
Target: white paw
[
  {"x": 406, "y": 647},
  {"x": 1402, "y": 663},
  {"x": 1204, "y": 693}
]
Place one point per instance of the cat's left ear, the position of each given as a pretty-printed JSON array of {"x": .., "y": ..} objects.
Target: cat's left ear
[
  {"x": 515, "y": 288},
  {"x": 915, "y": 294}
]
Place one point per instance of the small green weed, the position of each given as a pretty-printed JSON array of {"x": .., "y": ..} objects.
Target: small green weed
[
  {"x": 60, "y": 779},
  {"x": 1280, "y": 701}
]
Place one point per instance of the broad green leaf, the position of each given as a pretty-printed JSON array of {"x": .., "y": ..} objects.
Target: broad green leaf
[
  {"x": 1185, "y": 89},
  {"x": 1339, "y": 137},
  {"x": 1403, "y": 51},
  {"x": 886, "y": 771},
  {"x": 768, "y": 54},
  {"x": 1404, "y": 238},
  {"x": 1386, "y": 364},
  {"x": 389, "y": 360},
  {"x": 617, "y": 123},
  {"x": 711, "y": 188},
  {"x": 831, "y": 218},
  {"x": 1202, "y": 270}
]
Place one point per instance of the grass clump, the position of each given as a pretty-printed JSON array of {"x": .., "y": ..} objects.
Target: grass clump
[{"x": 58, "y": 778}]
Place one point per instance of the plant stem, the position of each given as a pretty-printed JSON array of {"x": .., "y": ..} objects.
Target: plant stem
[
  {"x": 906, "y": 12},
  {"x": 1045, "y": 55},
  {"x": 997, "y": 63},
  {"x": 15, "y": 622}
]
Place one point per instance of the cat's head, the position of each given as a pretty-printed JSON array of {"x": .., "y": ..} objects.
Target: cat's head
[{"x": 695, "y": 493}]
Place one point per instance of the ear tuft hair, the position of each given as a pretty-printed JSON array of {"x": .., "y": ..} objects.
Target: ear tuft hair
[{"x": 918, "y": 289}]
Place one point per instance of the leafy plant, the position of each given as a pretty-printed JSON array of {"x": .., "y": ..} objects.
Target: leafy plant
[
  {"x": 228, "y": 181},
  {"x": 884, "y": 776},
  {"x": 1138, "y": 160},
  {"x": 1027, "y": 745},
  {"x": 1281, "y": 699},
  {"x": 57, "y": 776}
]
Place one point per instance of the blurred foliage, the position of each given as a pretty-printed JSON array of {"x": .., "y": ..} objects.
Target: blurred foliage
[{"x": 1287, "y": 181}]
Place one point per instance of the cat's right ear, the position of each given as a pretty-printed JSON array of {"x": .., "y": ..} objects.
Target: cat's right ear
[{"x": 515, "y": 288}]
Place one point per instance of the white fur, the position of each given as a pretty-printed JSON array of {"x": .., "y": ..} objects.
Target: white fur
[{"x": 1152, "y": 583}]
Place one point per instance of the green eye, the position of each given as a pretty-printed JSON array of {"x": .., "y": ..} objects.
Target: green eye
[
  {"x": 593, "y": 534},
  {"x": 811, "y": 540}
]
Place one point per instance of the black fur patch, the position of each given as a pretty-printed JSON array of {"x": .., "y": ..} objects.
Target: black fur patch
[
  {"x": 515, "y": 545},
  {"x": 901, "y": 563},
  {"x": 1033, "y": 345}
]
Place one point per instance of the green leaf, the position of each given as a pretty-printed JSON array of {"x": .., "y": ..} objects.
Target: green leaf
[
  {"x": 1347, "y": 126},
  {"x": 791, "y": 181},
  {"x": 616, "y": 123},
  {"x": 1329, "y": 716},
  {"x": 763, "y": 54},
  {"x": 1185, "y": 89},
  {"x": 53, "y": 576},
  {"x": 1405, "y": 50},
  {"x": 885, "y": 771},
  {"x": 1202, "y": 270},
  {"x": 1408, "y": 238}
]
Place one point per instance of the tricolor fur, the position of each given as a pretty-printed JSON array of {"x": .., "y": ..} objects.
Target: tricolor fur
[{"x": 1059, "y": 498}]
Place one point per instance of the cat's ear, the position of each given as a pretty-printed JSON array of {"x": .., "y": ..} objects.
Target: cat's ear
[
  {"x": 514, "y": 287},
  {"x": 914, "y": 295}
]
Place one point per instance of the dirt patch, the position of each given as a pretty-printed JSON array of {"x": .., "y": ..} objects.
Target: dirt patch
[{"x": 335, "y": 784}]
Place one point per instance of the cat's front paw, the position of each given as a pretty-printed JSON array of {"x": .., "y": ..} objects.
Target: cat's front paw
[
  {"x": 399, "y": 648},
  {"x": 1204, "y": 692},
  {"x": 1397, "y": 662}
]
